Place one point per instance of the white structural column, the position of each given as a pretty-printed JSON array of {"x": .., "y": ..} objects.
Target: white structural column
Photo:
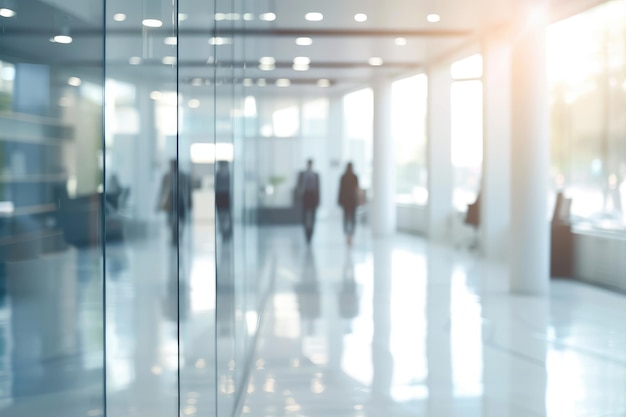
[
  {"x": 439, "y": 153},
  {"x": 530, "y": 155},
  {"x": 384, "y": 173},
  {"x": 495, "y": 196}
]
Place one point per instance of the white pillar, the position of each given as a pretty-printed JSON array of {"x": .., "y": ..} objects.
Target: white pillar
[
  {"x": 530, "y": 155},
  {"x": 439, "y": 154},
  {"x": 495, "y": 191},
  {"x": 384, "y": 176},
  {"x": 334, "y": 147}
]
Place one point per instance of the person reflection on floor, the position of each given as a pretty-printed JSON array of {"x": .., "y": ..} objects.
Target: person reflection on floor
[
  {"x": 308, "y": 292},
  {"x": 225, "y": 296},
  {"x": 348, "y": 294},
  {"x": 176, "y": 300}
]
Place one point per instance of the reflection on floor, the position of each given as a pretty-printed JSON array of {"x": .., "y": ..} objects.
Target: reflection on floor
[
  {"x": 400, "y": 327},
  {"x": 393, "y": 327}
]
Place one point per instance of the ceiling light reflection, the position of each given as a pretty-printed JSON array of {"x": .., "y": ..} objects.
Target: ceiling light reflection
[
  {"x": 169, "y": 60},
  {"x": 6, "y": 12},
  {"x": 119, "y": 17},
  {"x": 268, "y": 17},
  {"x": 152, "y": 23}
]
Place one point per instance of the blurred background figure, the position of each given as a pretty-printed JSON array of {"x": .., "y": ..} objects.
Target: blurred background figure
[
  {"x": 349, "y": 200},
  {"x": 222, "y": 199},
  {"x": 175, "y": 186},
  {"x": 309, "y": 191}
]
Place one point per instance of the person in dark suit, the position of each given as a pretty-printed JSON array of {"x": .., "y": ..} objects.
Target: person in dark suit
[
  {"x": 223, "y": 199},
  {"x": 175, "y": 199},
  {"x": 309, "y": 192},
  {"x": 349, "y": 200}
]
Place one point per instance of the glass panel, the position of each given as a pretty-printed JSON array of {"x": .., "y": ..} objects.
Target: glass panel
[
  {"x": 197, "y": 153},
  {"x": 409, "y": 101},
  {"x": 51, "y": 171},
  {"x": 226, "y": 290},
  {"x": 147, "y": 207}
]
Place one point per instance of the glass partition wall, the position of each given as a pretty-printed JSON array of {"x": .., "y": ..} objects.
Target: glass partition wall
[{"x": 129, "y": 278}]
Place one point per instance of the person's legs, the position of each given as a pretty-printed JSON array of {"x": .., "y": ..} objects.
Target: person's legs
[
  {"x": 308, "y": 219},
  {"x": 348, "y": 224}
]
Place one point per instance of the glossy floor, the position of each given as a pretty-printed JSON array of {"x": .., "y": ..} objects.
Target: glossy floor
[
  {"x": 392, "y": 327},
  {"x": 401, "y": 327}
]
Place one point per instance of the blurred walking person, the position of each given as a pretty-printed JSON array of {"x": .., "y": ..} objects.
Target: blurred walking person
[{"x": 349, "y": 200}]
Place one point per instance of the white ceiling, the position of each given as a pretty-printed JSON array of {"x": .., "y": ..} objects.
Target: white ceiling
[{"x": 340, "y": 50}]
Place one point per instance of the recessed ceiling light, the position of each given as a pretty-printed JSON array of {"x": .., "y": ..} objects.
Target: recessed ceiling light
[
  {"x": 375, "y": 61},
  {"x": 155, "y": 95},
  {"x": 220, "y": 16},
  {"x": 182, "y": 17},
  {"x": 119, "y": 17},
  {"x": 170, "y": 40},
  {"x": 360, "y": 17},
  {"x": 323, "y": 82},
  {"x": 300, "y": 67},
  {"x": 6, "y": 12},
  {"x": 433, "y": 18},
  {"x": 267, "y": 60},
  {"x": 261, "y": 82},
  {"x": 248, "y": 82},
  {"x": 400, "y": 41},
  {"x": 233, "y": 16},
  {"x": 304, "y": 41},
  {"x": 169, "y": 60},
  {"x": 194, "y": 103},
  {"x": 314, "y": 17},
  {"x": 268, "y": 17},
  {"x": 248, "y": 16},
  {"x": 218, "y": 40},
  {"x": 197, "y": 82},
  {"x": 74, "y": 81},
  {"x": 267, "y": 67},
  {"x": 134, "y": 60},
  {"x": 152, "y": 23},
  {"x": 283, "y": 82},
  {"x": 302, "y": 60}
]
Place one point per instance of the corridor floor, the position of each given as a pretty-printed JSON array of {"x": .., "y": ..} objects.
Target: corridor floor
[
  {"x": 388, "y": 328},
  {"x": 401, "y": 327}
]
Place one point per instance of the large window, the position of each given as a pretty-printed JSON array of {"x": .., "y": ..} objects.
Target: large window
[
  {"x": 467, "y": 130},
  {"x": 409, "y": 133},
  {"x": 358, "y": 111},
  {"x": 587, "y": 75}
]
